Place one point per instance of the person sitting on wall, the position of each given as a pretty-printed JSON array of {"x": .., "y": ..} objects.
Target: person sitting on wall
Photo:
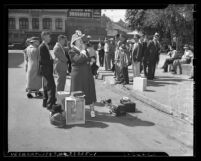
[
  {"x": 185, "y": 59},
  {"x": 173, "y": 55}
]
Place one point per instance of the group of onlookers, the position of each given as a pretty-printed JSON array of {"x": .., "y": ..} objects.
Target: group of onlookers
[
  {"x": 119, "y": 53},
  {"x": 176, "y": 60},
  {"x": 143, "y": 54},
  {"x": 78, "y": 59}
]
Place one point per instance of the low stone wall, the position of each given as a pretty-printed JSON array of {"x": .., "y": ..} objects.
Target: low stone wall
[{"x": 186, "y": 69}]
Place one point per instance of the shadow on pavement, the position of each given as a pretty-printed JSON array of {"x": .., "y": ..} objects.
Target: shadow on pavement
[
  {"x": 15, "y": 59},
  {"x": 102, "y": 118},
  {"x": 157, "y": 83},
  {"x": 171, "y": 79},
  {"x": 148, "y": 90}
]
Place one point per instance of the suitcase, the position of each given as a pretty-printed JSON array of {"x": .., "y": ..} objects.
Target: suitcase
[
  {"x": 60, "y": 95},
  {"x": 75, "y": 110},
  {"x": 119, "y": 110},
  {"x": 77, "y": 93},
  {"x": 139, "y": 83},
  {"x": 129, "y": 105}
]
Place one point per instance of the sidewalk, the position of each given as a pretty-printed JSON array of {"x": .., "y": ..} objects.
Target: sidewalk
[{"x": 172, "y": 94}]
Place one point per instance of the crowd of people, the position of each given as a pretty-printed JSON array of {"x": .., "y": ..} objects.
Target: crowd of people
[{"x": 78, "y": 58}]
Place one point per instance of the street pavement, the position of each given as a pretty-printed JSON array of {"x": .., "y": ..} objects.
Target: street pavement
[
  {"x": 170, "y": 93},
  {"x": 148, "y": 129}
]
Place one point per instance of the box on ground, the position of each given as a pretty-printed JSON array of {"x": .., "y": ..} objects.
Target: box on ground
[
  {"x": 139, "y": 83},
  {"x": 75, "y": 110},
  {"x": 61, "y": 95}
]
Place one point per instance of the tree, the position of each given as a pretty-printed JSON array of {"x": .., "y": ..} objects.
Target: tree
[{"x": 175, "y": 19}]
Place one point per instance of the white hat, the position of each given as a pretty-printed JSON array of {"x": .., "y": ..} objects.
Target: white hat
[{"x": 77, "y": 35}]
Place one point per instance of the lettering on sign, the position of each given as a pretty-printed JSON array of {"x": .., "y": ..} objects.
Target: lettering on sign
[{"x": 84, "y": 13}]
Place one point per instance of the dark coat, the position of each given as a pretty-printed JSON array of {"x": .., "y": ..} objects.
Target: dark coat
[
  {"x": 81, "y": 76},
  {"x": 153, "y": 52},
  {"x": 137, "y": 53},
  {"x": 45, "y": 60},
  {"x": 144, "y": 51}
]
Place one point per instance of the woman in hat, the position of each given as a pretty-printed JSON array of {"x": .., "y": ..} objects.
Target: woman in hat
[
  {"x": 81, "y": 74},
  {"x": 185, "y": 59},
  {"x": 34, "y": 81}
]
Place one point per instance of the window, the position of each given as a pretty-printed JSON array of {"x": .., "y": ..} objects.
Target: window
[
  {"x": 11, "y": 23},
  {"x": 35, "y": 23},
  {"x": 15, "y": 35},
  {"x": 59, "y": 24},
  {"x": 24, "y": 23},
  {"x": 47, "y": 23}
]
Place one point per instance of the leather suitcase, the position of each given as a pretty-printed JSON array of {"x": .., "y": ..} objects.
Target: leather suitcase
[
  {"x": 77, "y": 93},
  {"x": 75, "y": 110},
  {"x": 129, "y": 106},
  {"x": 139, "y": 84},
  {"x": 61, "y": 95}
]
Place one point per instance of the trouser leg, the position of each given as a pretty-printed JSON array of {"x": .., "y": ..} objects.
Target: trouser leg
[
  {"x": 49, "y": 90},
  {"x": 145, "y": 68},
  {"x": 150, "y": 70},
  {"x": 154, "y": 69},
  {"x": 125, "y": 74},
  {"x": 61, "y": 81},
  {"x": 136, "y": 69}
]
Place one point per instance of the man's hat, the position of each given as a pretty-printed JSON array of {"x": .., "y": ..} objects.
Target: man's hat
[
  {"x": 156, "y": 34},
  {"x": 186, "y": 46},
  {"x": 136, "y": 36},
  {"x": 33, "y": 39},
  {"x": 106, "y": 39},
  {"x": 88, "y": 37},
  {"x": 28, "y": 40},
  {"x": 111, "y": 39},
  {"x": 77, "y": 35}
]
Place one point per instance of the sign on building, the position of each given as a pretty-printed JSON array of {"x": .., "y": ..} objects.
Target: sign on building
[{"x": 84, "y": 13}]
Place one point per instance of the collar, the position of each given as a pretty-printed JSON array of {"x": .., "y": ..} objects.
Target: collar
[
  {"x": 46, "y": 44},
  {"x": 59, "y": 44}
]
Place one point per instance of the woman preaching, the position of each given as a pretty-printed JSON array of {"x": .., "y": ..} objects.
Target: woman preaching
[{"x": 81, "y": 74}]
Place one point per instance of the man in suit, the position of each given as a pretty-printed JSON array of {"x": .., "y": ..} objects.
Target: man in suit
[
  {"x": 60, "y": 65},
  {"x": 136, "y": 56},
  {"x": 46, "y": 70},
  {"x": 153, "y": 50}
]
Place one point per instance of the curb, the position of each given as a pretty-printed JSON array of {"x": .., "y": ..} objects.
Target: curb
[{"x": 153, "y": 103}]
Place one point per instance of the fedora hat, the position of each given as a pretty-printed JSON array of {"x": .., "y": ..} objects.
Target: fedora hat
[
  {"x": 186, "y": 46},
  {"x": 88, "y": 37},
  {"x": 156, "y": 34},
  {"x": 77, "y": 35},
  {"x": 33, "y": 39}
]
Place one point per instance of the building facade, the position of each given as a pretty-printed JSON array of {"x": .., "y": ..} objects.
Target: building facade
[{"x": 24, "y": 23}]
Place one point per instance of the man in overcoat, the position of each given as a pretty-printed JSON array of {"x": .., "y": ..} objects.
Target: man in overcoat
[
  {"x": 153, "y": 50},
  {"x": 60, "y": 65},
  {"x": 46, "y": 70}
]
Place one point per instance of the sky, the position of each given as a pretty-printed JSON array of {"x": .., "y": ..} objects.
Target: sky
[{"x": 114, "y": 14}]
